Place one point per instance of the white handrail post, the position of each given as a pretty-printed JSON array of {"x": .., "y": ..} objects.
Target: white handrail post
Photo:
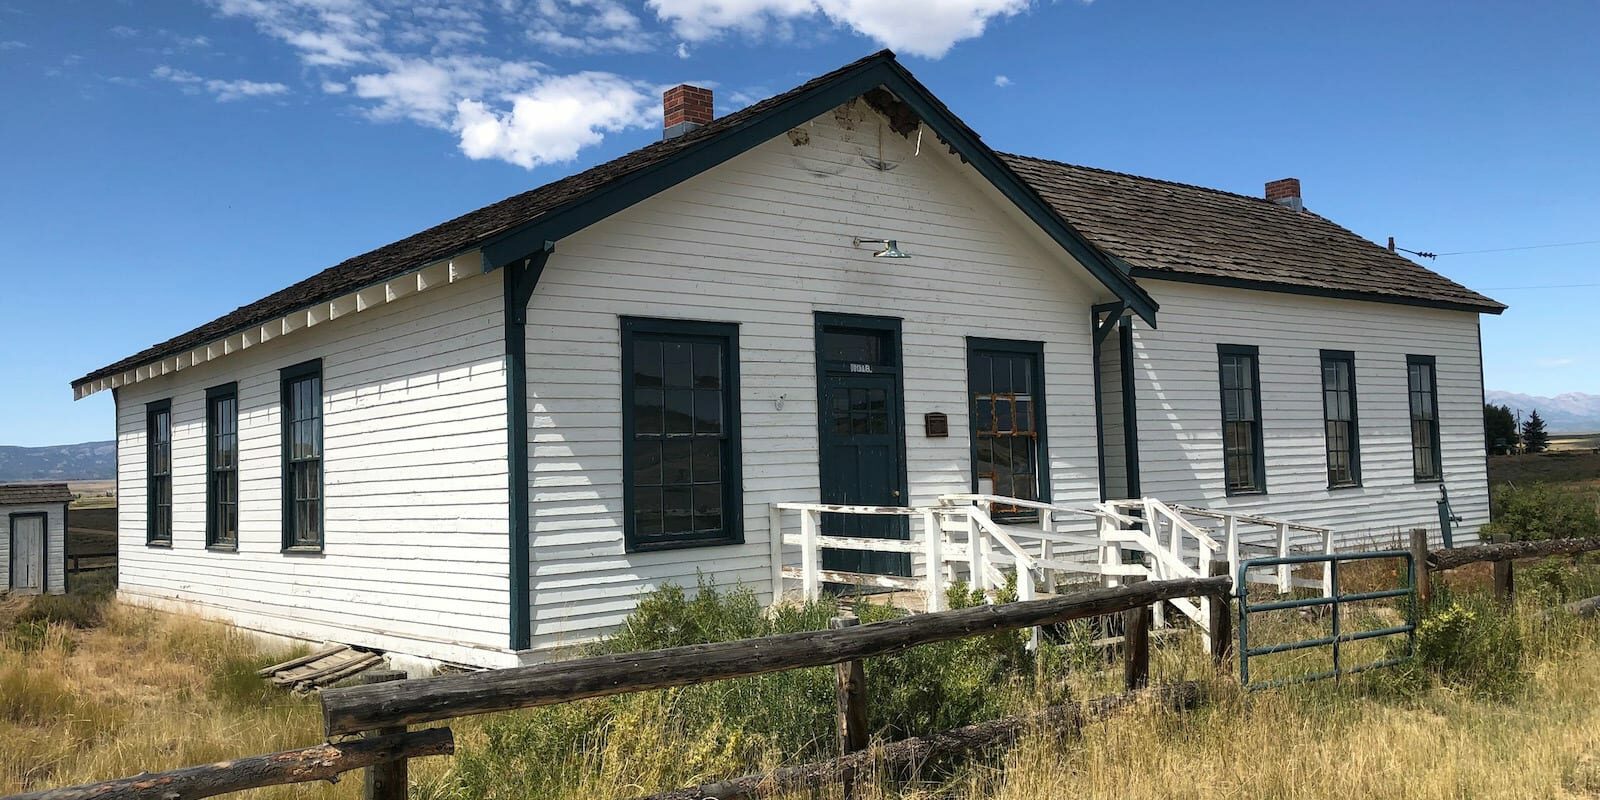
[
  {"x": 775, "y": 537},
  {"x": 1110, "y": 553},
  {"x": 1285, "y": 574},
  {"x": 1230, "y": 526},
  {"x": 1025, "y": 592},
  {"x": 1327, "y": 566},
  {"x": 933, "y": 551},
  {"x": 975, "y": 555},
  {"x": 810, "y": 554},
  {"x": 1047, "y": 547}
]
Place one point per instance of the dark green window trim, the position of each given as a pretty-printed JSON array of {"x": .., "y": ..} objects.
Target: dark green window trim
[
  {"x": 1333, "y": 416},
  {"x": 1231, "y": 357},
  {"x": 303, "y": 530},
  {"x": 222, "y": 475},
  {"x": 158, "y": 473},
  {"x": 978, "y": 347},
  {"x": 725, "y": 336},
  {"x": 1422, "y": 392}
]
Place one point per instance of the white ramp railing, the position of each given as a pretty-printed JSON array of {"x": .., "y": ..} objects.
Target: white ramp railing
[{"x": 960, "y": 538}]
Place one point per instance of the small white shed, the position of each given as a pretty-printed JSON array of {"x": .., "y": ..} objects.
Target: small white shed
[{"x": 33, "y": 550}]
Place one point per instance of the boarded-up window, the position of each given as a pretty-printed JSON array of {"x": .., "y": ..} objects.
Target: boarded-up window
[
  {"x": 1006, "y": 380},
  {"x": 680, "y": 408}
]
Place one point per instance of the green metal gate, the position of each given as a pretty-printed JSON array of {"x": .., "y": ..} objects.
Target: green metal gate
[{"x": 1336, "y": 601}]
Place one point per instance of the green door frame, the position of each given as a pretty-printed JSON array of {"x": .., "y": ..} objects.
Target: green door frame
[{"x": 824, "y": 320}]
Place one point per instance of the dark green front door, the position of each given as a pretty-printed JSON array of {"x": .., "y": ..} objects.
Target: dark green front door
[{"x": 861, "y": 438}]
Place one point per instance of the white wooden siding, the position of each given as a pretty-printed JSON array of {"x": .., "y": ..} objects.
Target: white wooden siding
[
  {"x": 765, "y": 241},
  {"x": 55, "y": 535},
  {"x": 1180, "y": 428},
  {"x": 414, "y": 455}
]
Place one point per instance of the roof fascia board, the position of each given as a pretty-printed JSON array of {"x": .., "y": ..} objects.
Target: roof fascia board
[
  {"x": 533, "y": 236},
  {"x": 1019, "y": 192},
  {"x": 1308, "y": 291}
]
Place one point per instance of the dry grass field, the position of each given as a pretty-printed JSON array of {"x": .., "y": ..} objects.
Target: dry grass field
[{"x": 133, "y": 690}]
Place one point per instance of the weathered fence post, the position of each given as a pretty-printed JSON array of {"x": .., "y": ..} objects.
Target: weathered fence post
[
  {"x": 1221, "y": 623},
  {"x": 1503, "y": 580},
  {"x": 1136, "y": 648},
  {"x": 386, "y": 780},
  {"x": 1419, "y": 568},
  {"x": 850, "y": 679}
]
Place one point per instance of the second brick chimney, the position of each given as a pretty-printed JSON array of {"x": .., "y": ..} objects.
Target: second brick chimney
[
  {"x": 1285, "y": 192},
  {"x": 683, "y": 109}
]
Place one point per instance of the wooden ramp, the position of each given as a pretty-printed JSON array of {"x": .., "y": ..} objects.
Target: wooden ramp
[{"x": 321, "y": 668}]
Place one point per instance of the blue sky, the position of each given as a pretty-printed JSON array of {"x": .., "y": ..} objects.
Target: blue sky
[{"x": 166, "y": 162}]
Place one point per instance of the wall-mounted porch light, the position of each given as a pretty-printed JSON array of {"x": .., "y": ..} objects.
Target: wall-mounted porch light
[{"x": 891, "y": 248}]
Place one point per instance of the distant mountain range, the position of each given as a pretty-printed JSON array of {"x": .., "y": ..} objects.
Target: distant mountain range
[
  {"x": 90, "y": 461},
  {"x": 1573, "y": 412}
]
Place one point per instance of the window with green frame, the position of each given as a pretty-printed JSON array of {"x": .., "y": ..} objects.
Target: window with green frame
[
  {"x": 680, "y": 421},
  {"x": 158, "y": 473},
  {"x": 1006, "y": 381},
  {"x": 1423, "y": 388},
  {"x": 302, "y": 456},
  {"x": 1243, "y": 459},
  {"x": 1341, "y": 432},
  {"x": 222, "y": 467}
]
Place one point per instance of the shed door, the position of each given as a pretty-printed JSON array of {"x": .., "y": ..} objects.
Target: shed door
[{"x": 27, "y": 553}]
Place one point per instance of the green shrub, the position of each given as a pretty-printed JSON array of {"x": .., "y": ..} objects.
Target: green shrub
[
  {"x": 657, "y": 740},
  {"x": 75, "y": 610},
  {"x": 1541, "y": 511},
  {"x": 1472, "y": 642}
]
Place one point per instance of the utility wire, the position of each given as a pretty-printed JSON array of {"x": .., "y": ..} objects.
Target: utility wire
[
  {"x": 1524, "y": 247},
  {"x": 1545, "y": 286}
]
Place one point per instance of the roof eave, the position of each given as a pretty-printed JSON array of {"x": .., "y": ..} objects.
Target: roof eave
[{"x": 1488, "y": 307}]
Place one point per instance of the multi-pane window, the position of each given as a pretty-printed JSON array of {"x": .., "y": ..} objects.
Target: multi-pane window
[
  {"x": 1007, "y": 386},
  {"x": 302, "y": 456},
  {"x": 1244, "y": 466},
  {"x": 1422, "y": 383},
  {"x": 158, "y": 473},
  {"x": 222, "y": 467},
  {"x": 681, "y": 459},
  {"x": 1339, "y": 418}
]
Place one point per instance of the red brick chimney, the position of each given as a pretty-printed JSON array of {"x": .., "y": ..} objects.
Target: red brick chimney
[
  {"x": 684, "y": 108},
  {"x": 1285, "y": 192}
]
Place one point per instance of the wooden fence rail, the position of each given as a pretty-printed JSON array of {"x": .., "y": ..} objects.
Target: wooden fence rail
[
  {"x": 324, "y": 762},
  {"x": 1501, "y": 554},
  {"x": 360, "y": 708}
]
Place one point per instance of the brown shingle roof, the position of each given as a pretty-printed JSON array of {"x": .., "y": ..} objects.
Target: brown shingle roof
[
  {"x": 21, "y": 494},
  {"x": 1158, "y": 227},
  {"x": 1184, "y": 232}
]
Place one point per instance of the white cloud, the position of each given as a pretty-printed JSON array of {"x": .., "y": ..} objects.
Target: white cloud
[
  {"x": 552, "y": 121},
  {"x": 1002, "y": 81},
  {"x": 473, "y": 67},
  {"x": 239, "y": 89},
  {"x": 12, "y": 44},
  {"x": 426, "y": 64},
  {"x": 919, "y": 27},
  {"x": 224, "y": 90}
]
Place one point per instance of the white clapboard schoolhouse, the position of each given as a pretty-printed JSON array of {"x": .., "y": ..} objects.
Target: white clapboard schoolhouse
[{"x": 481, "y": 443}]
